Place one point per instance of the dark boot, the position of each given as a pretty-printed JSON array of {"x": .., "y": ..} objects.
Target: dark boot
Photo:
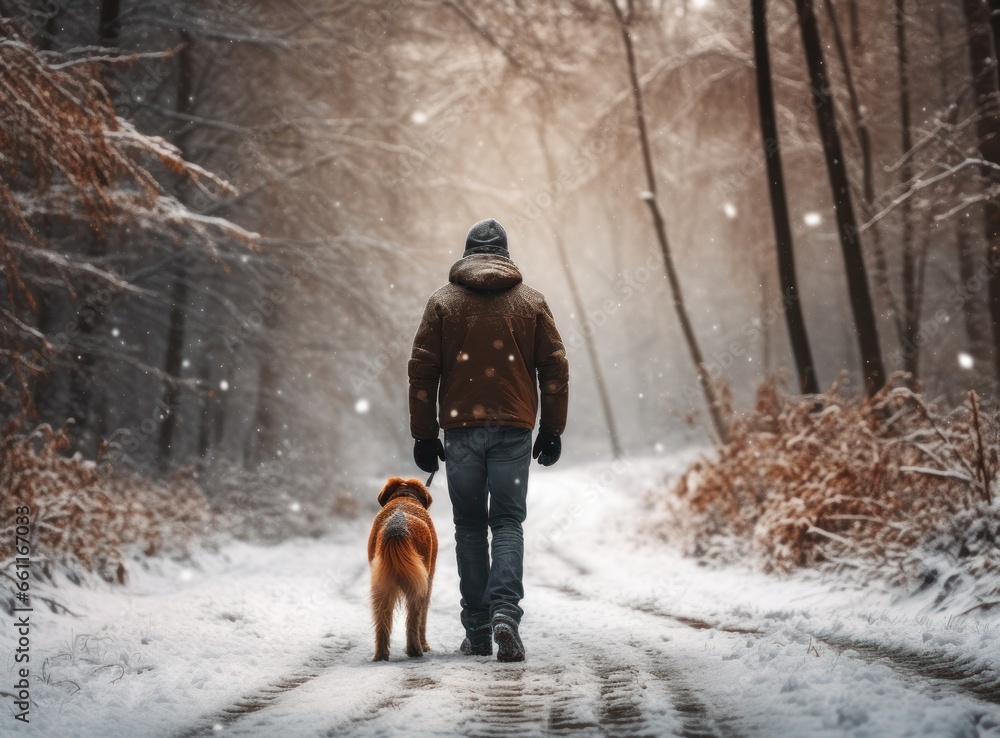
[
  {"x": 478, "y": 642},
  {"x": 509, "y": 646}
]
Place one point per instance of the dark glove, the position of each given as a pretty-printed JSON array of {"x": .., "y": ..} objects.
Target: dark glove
[
  {"x": 426, "y": 453},
  {"x": 547, "y": 448}
]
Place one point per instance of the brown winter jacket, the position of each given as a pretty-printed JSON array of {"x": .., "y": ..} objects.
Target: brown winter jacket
[{"x": 483, "y": 337}]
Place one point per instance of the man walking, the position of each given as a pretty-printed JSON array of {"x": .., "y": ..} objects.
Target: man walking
[{"x": 483, "y": 338}]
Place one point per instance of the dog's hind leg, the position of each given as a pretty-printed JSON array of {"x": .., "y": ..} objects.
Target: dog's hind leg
[
  {"x": 414, "y": 609},
  {"x": 424, "y": 607},
  {"x": 383, "y": 603}
]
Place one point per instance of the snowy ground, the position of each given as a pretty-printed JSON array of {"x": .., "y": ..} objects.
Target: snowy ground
[{"x": 624, "y": 638}]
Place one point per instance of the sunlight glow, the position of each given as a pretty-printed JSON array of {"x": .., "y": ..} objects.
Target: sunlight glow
[
  {"x": 729, "y": 209},
  {"x": 812, "y": 219},
  {"x": 965, "y": 360},
  {"x": 362, "y": 406}
]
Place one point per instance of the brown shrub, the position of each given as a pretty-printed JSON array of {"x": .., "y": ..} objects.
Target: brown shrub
[
  {"x": 84, "y": 518},
  {"x": 836, "y": 482}
]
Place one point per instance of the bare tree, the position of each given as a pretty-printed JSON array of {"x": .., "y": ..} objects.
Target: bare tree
[
  {"x": 623, "y": 20},
  {"x": 794, "y": 318},
  {"x": 176, "y": 332},
  {"x": 982, "y": 62},
  {"x": 862, "y": 129},
  {"x": 581, "y": 310},
  {"x": 911, "y": 267},
  {"x": 847, "y": 228}
]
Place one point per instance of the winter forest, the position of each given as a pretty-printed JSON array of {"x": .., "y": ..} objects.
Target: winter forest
[{"x": 768, "y": 234}]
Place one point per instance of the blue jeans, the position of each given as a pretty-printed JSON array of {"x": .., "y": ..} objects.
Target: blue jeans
[{"x": 488, "y": 485}]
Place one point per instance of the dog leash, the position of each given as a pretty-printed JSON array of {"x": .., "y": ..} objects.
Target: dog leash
[{"x": 430, "y": 479}]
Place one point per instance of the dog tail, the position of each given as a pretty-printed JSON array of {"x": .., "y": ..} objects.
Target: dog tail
[{"x": 400, "y": 562}]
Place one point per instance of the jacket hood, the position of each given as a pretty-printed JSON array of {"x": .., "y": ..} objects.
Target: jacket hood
[{"x": 485, "y": 272}]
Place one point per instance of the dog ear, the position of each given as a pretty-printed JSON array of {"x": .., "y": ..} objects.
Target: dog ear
[
  {"x": 417, "y": 486},
  {"x": 391, "y": 486}
]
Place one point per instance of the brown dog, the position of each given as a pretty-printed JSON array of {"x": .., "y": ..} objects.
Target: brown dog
[{"x": 402, "y": 552}]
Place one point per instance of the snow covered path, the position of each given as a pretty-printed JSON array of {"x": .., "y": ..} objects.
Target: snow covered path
[{"x": 623, "y": 639}]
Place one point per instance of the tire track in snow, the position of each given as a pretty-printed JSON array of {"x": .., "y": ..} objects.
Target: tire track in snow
[
  {"x": 511, "y": 703},
  {"x": 331, "y": 651},
  {"x": 697, "y": 720},
  {"x": 622, "y": 713},
  {"x": 412, "y": 686},
  {"x": 628, "y": 707},
  {"x": 960, "y": 674},
  {"x": 622, "y": 710},
  {"x": 937, "y": 671},
  {"x": 596, "y": 686}
]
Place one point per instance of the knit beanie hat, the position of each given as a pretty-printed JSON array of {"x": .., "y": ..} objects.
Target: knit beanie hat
[{"x": 487, "y": 237}]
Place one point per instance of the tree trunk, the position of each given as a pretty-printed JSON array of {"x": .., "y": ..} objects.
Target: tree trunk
[
  {"x": 578, "y": 305},
  {"x": 588, "y": 341},
  {"x": 911, "y": 295},
  {"x": 982, "y": 63},
  {"x": 82, "y": 402},
  {"x": 205, "y": 408},
  {"x": 705, "y": 378},
  {"x": 766, "y": 290},
  {"x": 43, "y": 386},
  {"x": 995, "y": 26},
  {"x": 976, "y": 317},
  {"x": 262, "y": 442},
  {"x": 850, "y": 242},
  {"x": 794, "y": 318},
  {"x": 109, "y": 25},
  {"x": 855, "y": 21},
  {"x": 220, "y": 406},
  {"x": 172, "y": 367},
  {"x": 880, "y": 275},
  {"x": 176, "y": 338}
]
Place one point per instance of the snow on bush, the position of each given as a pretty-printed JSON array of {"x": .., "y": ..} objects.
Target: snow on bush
[
  {"x": 84, "y": 519},
  {"x": 887, "y": 486}
]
